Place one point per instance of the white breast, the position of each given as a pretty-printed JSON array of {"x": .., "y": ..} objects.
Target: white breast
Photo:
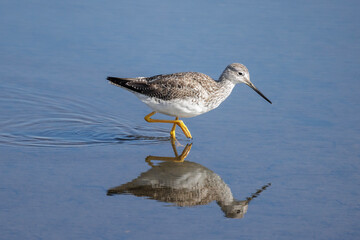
[{"x": 182, "y": 108}]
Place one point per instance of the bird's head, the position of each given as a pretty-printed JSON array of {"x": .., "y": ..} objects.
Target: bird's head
[
  {"x": 238, "y": 73},
  {"x": 235, "y": 209}
]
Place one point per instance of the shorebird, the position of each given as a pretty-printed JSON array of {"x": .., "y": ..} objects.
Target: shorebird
[
  {"x": 185, "y": 94},
  {"x": 185, "y": 184}
]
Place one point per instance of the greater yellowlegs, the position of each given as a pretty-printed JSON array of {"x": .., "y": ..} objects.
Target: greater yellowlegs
[
  {"x": 185, "y": 184},
  {"x": 185, "y": 94}
]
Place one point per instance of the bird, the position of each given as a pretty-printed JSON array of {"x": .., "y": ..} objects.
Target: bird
[
  {"x": 185, "y": 94},
  {"x": 185, "y": 184}
]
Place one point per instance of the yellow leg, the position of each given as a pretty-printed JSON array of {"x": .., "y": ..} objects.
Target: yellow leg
[
  {"x": 178, "y": 122},
  {"x": 177, "y": 158},
  {"x": 172, "y": 132}
]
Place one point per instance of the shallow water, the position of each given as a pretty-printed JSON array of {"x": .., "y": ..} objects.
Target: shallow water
[{"x": 71, "y": 144}]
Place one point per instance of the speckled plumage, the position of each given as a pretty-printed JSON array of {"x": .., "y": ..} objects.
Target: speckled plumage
[
  {"x": 170, "y": 86},
  {"x": 186, "y": 184},
  {"x": 186, "y": 94}
]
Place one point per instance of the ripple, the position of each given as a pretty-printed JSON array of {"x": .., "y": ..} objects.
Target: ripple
[{"x": 30, "y": 118}]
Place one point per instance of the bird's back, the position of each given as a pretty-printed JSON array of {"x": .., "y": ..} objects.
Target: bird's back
[{"x": 170, "y": 86}]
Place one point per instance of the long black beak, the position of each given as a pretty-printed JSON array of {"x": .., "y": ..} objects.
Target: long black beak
[{"x": 257, "y": 90}]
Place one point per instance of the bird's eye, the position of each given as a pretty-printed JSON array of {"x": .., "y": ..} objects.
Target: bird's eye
[{"x": 240, "y": 73}]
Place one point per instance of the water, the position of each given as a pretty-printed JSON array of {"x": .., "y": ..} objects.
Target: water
[{"x": 67, "y": 137}]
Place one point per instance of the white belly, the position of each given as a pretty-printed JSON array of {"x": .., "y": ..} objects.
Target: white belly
[{"x": 178, "y": 108}]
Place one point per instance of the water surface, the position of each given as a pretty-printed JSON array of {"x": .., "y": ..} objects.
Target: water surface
[{"x": 68, "y": 139}]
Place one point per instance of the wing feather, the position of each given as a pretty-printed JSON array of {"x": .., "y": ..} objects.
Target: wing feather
[{"x": 167, "y": 87}]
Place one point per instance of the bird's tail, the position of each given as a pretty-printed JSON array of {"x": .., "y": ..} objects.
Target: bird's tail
[{"x": 119, "y": 81}]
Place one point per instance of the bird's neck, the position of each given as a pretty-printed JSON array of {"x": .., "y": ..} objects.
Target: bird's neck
[
  {"x": 225, "y": 84},
  {"x": 220, "y": 92},
  {"x": 224, "y": 194}
]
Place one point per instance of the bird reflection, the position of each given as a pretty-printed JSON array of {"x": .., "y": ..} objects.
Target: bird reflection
[{"x": 185, "y": 184}]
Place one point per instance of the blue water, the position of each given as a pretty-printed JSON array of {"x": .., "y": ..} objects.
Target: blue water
[{"x": 67, "y": 136}]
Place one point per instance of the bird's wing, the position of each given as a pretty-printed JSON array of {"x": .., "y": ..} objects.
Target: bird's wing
[{"x": 166, "y": 87}]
